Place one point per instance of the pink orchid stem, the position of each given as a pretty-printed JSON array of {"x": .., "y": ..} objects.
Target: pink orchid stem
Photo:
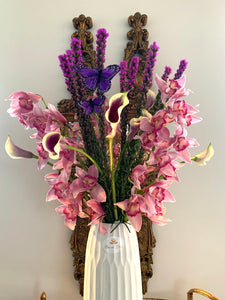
[
  {"x": 42, "y": 99},
  {"x": 112, "y": 177},
  {"x": 88, "y": 156}
]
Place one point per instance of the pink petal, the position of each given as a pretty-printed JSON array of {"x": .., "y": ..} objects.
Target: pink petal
[
  {"x": 60, "y": 209},
  {"x": 145, "y": 124},
  {"x": 161, "y": 84},
  {"x": 98, "y": 193},
  {"x": 93, "y": 171},
  {"x": 96, "y": 206},
  {"x": 159, "y": 220},
  {"x": 185, "y": 155},
  {"x": 51, "y": 195},
  {"x": 136, "y": 222},
  {"x": 80, "y": 172},
  {"x": 70, "y": 224},
  {"x": 103, "y": 230},
  {"x": 123, "y": 204}
]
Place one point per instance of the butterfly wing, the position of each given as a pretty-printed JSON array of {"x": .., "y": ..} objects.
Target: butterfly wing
[
  {"x": 106, "y": 75},
  {"x": 89, "y": 76},
  {"x": 97, "y": 103},
  {"x": 87, "y": 106}
]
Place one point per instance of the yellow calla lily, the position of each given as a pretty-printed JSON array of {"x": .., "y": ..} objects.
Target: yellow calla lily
[{"x": 204, "y": 156}]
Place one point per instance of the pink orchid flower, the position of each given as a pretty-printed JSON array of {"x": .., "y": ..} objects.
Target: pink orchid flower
[
  {"x": 184, "y": 113},
  {"x": 60, "y": 188},
  {"x": 156, "y": 195},
  {"x": 165, "y": 160},
  {"x": 37, "y": 119},
  {"x": 96, "y": 214},
  {"x": 134, "y": 206},
  {"x": 112, "y": 115},
  {"x": 22, "y": 103},
  {"x": 42, "y": 156},
  {"x": 169, "y": 90},
  {"x": 181, "y": 144},
  {"x": 88, "y": 181},
  {"x": 16, "y": 152},
  {"x": 70, "y": 211},
  {"x": 135, "y": 123},
  {"x": 140, "y": 174}
]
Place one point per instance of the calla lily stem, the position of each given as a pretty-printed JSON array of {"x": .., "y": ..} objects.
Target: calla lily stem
[
  {"x": 88, "y": 156},
  {"x": 112, "y": 177}
]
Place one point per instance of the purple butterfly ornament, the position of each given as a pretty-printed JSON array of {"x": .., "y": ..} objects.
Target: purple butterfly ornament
[
  {"x": 94, "y": 78},
  {"x": 91, "y": 106}
]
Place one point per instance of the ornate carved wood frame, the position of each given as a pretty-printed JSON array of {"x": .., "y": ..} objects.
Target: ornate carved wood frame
[{"x": 136, "y": 46}]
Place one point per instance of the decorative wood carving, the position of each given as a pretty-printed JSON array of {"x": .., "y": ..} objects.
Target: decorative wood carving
[
  {"x": 138, "y": 46},
  {"x": 83, "y": 24},
  {"x": 78, "y": 244},
  {"x": 146, "y": 242}
]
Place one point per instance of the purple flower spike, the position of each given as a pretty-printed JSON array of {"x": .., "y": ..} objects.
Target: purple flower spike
[
  {"x": 102, "y": 35},
  {"x": 65, "y": 66},
  {"x": 132, "y": 71},
  {"x": 77, "y": 52},
  {"x": 166, "y": 73},
  {"x": 123, "y": 76},
  {"x": 148, "y": 72},
  {"x": 181, "y": 69}
]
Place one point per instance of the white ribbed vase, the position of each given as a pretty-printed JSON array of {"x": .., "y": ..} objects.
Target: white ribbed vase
[{"x": 112, "y": 264}]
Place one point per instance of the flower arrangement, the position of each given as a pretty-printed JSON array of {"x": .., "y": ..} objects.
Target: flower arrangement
[{"x": 110, "y": 167}]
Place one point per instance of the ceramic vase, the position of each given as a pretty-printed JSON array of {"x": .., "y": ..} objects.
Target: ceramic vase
[{"x": 112, "y": 264}]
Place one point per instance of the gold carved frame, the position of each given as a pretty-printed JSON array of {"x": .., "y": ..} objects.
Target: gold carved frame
[{"x": 136, "y": 46}]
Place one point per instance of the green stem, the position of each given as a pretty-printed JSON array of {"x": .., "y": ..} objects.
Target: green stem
[
  {"x": 46, "y": 106},
  {"x": 88, "y": 156},
  {"x": 113, "y": 177}
]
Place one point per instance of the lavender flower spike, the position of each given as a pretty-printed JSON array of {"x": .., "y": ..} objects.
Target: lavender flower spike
[
  {"x": 76, "y": 50},
  {"x": 123, "y": 76},
  {"x": 132, "y": 71},
  {"x": 65, "y": 66},
  {"x": 148, "y": 72},
  {"x": 166, "y": 73},
  {"x": 181, "y": 69},
  {"x": 101, "y": 35}
]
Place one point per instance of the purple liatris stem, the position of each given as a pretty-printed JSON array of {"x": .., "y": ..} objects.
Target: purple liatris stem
[
  {"x": 166, "y": 73},
  {"x": 148, "y": 71},
  {"x": 123, "y": 76},
  {"x": 181, "y": 69},
  {"x": 65, "y": 66},
  {"x": 132, "y": 71},
  {"x": 76, "y": 48},
  {"x": 77, "y": 58},
  {"x": 101, "y": 35}
]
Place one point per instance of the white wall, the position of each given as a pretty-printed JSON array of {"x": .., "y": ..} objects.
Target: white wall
[{"x": 34, "y": 251}]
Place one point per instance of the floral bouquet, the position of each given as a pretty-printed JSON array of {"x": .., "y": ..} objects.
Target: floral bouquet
[{"x": 111, "y": 166}]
